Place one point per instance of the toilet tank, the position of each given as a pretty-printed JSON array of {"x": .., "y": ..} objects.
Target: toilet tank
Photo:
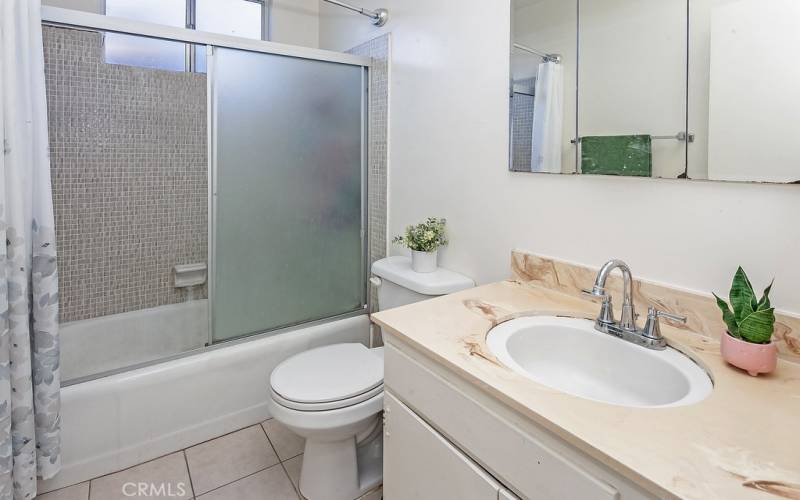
[{"x": 400, "y": 285}]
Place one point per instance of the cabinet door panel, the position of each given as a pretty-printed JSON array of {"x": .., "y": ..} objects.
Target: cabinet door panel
[
  {"x": 538, "y": 465},
  {"x": 420, "y": 464}
]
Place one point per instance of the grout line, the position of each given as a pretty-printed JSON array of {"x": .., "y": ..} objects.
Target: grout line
[
  {"x": 274, "y": 450},
  {"x": 131, "y": 467},
  {"x": 223, "y": 435},
  {"x": 38, "y": 493},
  {"x": 188, "y": 471},
  {"x": 171, "y": 453},
  {"x": 292, "y": 457},
  {"x": 239, "y": 479},
  {"x": 296, "y": 487}
]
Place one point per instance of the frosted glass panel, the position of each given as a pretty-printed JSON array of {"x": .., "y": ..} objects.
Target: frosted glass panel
[{"x": 288, "y": 220}]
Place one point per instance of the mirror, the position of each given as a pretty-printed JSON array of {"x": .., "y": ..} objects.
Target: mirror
[{"x": 694, "y": 89}]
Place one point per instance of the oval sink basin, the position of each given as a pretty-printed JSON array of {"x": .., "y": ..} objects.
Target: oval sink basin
[{"x": 569, "y": 355}]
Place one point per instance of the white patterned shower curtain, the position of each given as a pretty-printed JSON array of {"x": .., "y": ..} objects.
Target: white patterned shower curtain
[{"x": 30, "y": 443}]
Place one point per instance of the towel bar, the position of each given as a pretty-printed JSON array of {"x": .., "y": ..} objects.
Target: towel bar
[{"x": 680, "y": 136}]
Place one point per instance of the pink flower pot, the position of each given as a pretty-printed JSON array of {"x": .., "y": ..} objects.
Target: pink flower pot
[{"x": 754, "y": 358}]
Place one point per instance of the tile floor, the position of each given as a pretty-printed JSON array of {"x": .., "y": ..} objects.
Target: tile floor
[{"x": 261, "y": 462}]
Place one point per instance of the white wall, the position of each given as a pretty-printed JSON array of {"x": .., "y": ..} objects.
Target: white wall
[
  {"x": 294, "y": 22},
  {"x": 448, "y": 157}
]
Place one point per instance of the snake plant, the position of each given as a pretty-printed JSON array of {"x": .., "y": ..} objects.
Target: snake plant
[{"x": 751, "y": 319}]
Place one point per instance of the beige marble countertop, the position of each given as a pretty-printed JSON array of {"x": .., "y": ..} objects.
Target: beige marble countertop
[{"x": 743, "y": 441}]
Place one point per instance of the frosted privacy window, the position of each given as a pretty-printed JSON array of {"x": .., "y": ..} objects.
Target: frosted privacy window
[
  {"x": 230, "y": 17},
  {"x": 289, "y": 153},
  {"x": 243, "y": 18},
  {"x": 141, "y": 51}
]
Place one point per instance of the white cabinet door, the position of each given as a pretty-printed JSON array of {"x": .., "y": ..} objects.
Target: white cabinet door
[{"x": 418, "y": 463}]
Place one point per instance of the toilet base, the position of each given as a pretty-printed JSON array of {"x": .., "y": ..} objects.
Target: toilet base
[{"x": 342, "y": 470}]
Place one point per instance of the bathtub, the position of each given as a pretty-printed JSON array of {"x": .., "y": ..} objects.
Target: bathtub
[
  {"x": 97, "y": 345},
  {"x": 118, "y": 421}
]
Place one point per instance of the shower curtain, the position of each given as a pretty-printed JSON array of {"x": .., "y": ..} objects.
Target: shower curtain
[
  {"x": 548, "y": 117},
  {"x": 29, "y": 349}
]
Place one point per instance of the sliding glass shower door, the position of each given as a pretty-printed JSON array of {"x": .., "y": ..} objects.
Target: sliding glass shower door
[{"x": 288, "y": 191}]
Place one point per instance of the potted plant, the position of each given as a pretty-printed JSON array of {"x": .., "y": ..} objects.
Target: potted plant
[
  {"x": 424, "y": 240},
  {"x": 748, "y": 342}
]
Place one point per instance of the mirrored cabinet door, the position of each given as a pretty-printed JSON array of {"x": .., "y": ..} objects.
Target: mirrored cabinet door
[
  {"x": 744, "y": 81},
  {"x": 544, "y": 52},
  {"x": 632, "y": 93}
]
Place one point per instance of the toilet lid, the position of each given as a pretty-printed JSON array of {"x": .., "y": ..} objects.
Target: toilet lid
[{"x": 329, "y": 373}]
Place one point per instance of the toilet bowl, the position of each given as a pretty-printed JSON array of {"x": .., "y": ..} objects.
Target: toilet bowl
[{"x": 333, "y": 395}]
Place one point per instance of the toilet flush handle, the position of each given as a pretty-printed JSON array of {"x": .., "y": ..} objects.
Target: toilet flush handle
[{"x": 375, "y": 281}]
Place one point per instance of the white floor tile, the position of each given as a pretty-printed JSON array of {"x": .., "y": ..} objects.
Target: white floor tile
[
  {"x": 228, "y": 458},
  {"x": 293, "y": 467},
  {"x": 286, "y": 443},
  {"x": 271, "y": 484},
  {"x": 162, "y": 478},
  {"x": 76, "y": 492}
]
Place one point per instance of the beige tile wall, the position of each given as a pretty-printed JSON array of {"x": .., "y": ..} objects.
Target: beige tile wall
[{"x": 129, "y": 171}]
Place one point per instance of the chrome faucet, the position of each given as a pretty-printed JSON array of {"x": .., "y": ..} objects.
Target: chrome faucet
[{"x": 649, "y": 336}]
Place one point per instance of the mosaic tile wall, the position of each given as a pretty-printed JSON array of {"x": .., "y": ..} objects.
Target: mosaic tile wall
[
  {"x": 522, "y": 127},
  {"x": 378, "y": 50},
  {"x": 129, "y": 170}
]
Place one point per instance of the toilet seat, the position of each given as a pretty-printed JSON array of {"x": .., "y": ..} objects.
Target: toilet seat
[
  {"x": 328, "y": 378},
  {"x": 327, "y": 405}
]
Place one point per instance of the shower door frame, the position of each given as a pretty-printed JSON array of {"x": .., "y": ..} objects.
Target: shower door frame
[
  {"x": 213, "y": 169},
  {"x": 73, "y": 19}
]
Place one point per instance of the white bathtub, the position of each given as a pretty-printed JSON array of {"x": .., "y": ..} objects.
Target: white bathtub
[
  {"x": 118, "y": 421},
  {"x": 96, "y": 345}
]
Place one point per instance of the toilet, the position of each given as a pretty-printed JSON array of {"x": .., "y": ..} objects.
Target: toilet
[{"x": 333, "y": 395}]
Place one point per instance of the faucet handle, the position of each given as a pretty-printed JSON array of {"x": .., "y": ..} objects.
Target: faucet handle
[
  {"x": 596, "y": 293},
  {"x": 606, "y": 316},
  {"x": 652, "y": 329},
  {"x": 652, "y": 311}
]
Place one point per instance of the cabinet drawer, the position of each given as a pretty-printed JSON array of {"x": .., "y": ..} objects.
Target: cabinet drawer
[
  {"x": 536, "y": 463},
  {"x": 420, "y": 464}
]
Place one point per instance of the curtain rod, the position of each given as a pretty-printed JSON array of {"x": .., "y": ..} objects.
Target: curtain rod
[
  {"x": 556, "y": 58},
  {"x": 379, "y": 17}
]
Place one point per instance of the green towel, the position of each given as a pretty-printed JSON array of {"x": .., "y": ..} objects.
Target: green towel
[{"x": 617, "y": 155}]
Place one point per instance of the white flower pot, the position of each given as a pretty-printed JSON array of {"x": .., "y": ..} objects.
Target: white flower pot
[{"x": 423, "y": 262}]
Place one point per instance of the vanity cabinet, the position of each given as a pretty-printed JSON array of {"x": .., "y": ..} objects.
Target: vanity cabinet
[
  {"x": 420, "y": 463},
  {"x": 445, "y": 438}
]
